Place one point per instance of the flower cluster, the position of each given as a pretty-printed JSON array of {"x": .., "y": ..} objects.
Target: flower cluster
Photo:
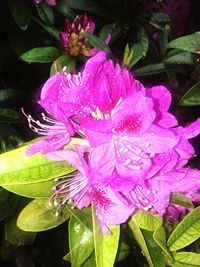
[
  {"x": 71, "y": 38},
  {"x": 133, "y": 154}
]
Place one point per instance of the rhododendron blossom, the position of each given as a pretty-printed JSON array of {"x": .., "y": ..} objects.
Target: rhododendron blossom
[
  {"x": 49, "y": 2},
  {"x": 135, "y": 153}
]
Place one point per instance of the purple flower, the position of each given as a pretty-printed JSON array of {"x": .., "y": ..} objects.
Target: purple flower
[
  {"x": 71, "y": 38},
  {"x": 49, "y": 2},
  {"x": 134, "y": 154}
]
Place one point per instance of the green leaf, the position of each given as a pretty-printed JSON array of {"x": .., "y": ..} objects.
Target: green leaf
[
  {"x": 34, "y": 190},
  {"x": 8, "y": 201},
  {"x": 7, "y": 130},
  {"x": 63, "y": 61},
  {"x": 41, "y": 55},
  {"x": 123, "y": 251},
  {"x": 192, "y": 97},
  {"x": 21, "y": 13},
  {"x": 186, "y": 232},
  {"x": 181, "y": 200},
  {"x": 155, "y": 251},
  {"x": 13, "y": 234},
  {"x": 46, "y": 13},
  {"x": 17, "y": 168},
  {"x": 10, "y": 116},
  {"x": 97, "y": 42},
  {"x": 132, "y": 55},
  {"x": 154, "y": 69},
  {"x": 105, "y": 245},
  {"x": 187, "y": 259},
  {"x": 50, "y": 29},
  {"x": 138, "y": 235},
  {"x": 38, "y": 216},
  {"x": 8, "y": 96},
  {"x": 85, "y": 5},
  {"x": 90, "y": 262},
  {"x": 159, "y": 236},
  {"x": 181, "y": 58},
  {"x": 80, "y": 242},
  {"x": 147, "y": 221},
  {"x": 190, "y": 43}
]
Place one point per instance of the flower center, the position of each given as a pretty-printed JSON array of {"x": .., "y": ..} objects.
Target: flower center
[
  {"x": 100, "y": 198},
  {"x": 130, "y": 124}
]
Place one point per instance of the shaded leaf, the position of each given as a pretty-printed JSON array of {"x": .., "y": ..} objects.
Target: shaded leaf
[
  {"x": 50, "y": 29},
  {"x": 154, "y": 69},
  {"x": 114, "y": 29},
  {"x": 17, "y": 168},
  {"x": 13, "y": 234},
  {"x": 143, "y": 39},
  {"x": 21, "y": 13},
  {"x": 186, "y": 232},
  {"x": 181, "y": 58},
  {"x": 8, "y": 96},
  {"x": 105, "y": 245},
  {"x": 123, "y": 251},
  {"x": 38, "y": 216},
  {"x": 192, "y": 97},
  {"x": 138, "y": 235},
  {"x": 85, "y": 5},
  {"x": 46, "y": 13},
  {"x": 41, "y": 55},
  {"x": 155, "y": 251},
  {"x": 147, "y": 221},
  {"x": 159, "y": 236},
  {"x": 189, "y": 43},
  {"x": 8, "y": 202},
  {"x": 10, "y": 116},
  {"x": 65, "y": 10},
  {"x": 181, "y": 200},
  {"x": 80, "y": 242}
]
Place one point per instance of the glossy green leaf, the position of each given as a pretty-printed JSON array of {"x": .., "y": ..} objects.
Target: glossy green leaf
[
  {"x": 50, "y": 29},
  {"x": 181, "y": 200},
  {"x": 138, "y": 235},
  {"x": 154, "y": 69},
  {"x": 155, "y": 251},
  {"x": 80, "y": 242},
  {"x": 35, "y": 190},
  {"x": 97, "y": 42},
  {"x": 84, "y": 216},
  {"x": 17, "y": 168},
  {"x": 7, "y": 130},
  {"x": 61, "y": 62},
  {"x": 186, "y": 232},
  {"x": 38, "y": 216},
  {"x": 21, "y": 12},
  {"x": 105, "y": 245},
  {"x": 10, "y": 116},
  {"x": 187, "y": 259},
  {"x": 181, "y": 58},
  {"x": 159, "y": 236},
  {"x": 8, "y": 96},
  {"x": 8, "y": 201},
  {"x": 192, "y": 97},
  {"x": 132, "y": 55},
  {"x": 147, "y": 221},
  {"x": 189, "y": 43},
  {"x": 13, "y": 234},
  {"x": 41, "y": 55},
  {"x": 46, "y": 13}
]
